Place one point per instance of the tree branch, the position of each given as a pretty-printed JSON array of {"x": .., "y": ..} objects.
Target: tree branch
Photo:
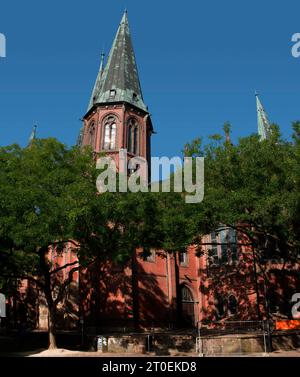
[
  {"x": 68, "y": 281},
  {"x": 63, "y": 267}
]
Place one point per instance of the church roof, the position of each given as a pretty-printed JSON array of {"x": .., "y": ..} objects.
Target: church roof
[
  {"x": 119, "y": 80},
  {"x": 263, "y": 123}
]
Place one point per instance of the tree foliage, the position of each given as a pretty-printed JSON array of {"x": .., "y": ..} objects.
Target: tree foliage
[
  {"x": 254, "y": 186},
  {"x": 48, "y": 199}
]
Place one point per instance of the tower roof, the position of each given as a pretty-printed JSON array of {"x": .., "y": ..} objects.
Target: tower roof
[
  {"x": 119, "y": 81},
  {"x": 263, "y": 123}
]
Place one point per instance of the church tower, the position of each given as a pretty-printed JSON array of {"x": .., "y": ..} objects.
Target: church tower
[{"x": 117, "y": 117}]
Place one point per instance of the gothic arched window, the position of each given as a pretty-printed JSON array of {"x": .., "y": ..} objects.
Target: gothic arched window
[
  {"x": 110, "y": 132},
  {"x": 186, "y": 294},
  {"x": 132, "y": 136},
  {"x": 187, "y": 306}
]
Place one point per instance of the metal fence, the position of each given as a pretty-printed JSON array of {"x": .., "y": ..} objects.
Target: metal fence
[{"x": 233, "y": 338}]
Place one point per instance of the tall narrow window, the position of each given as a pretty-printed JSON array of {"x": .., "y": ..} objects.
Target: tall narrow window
[
  {"x": 113, "y": 136},
  {"x": 183, "y": 259},
  {"x": 229, "y": 245},
  {"x": 187, "y": 306},
  {"x": 129, "y": 143},
  {"x": 110, "y": 130},
  {"x": 135, "y": 140},
  {"x": 233, "y": 244},
  {"x": 132, "y": 136},
  {"x": 224, "y": 245},
  {"x": 214, "y": 249}
]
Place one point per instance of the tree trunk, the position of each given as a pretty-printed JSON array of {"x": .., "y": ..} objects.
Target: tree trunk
[
  {"x": 44, "y": 264},
  {"x": 256, "y": 286},
  {"x": 51, "y": 329},
  {"x": 99, "y": 311},
  {"x": 135, "y": 292},
  {"x": 178, "y": 292}
]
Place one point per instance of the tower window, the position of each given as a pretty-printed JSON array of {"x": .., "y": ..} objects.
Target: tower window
[
  {"x": 134, "y": 96},
  {"x": 112, "y": 93},
  {"x": 132, "y": 136},
  {"x": 110, "y": 130}
]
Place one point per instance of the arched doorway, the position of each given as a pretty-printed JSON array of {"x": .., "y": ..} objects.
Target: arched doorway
[{"x": 187, "y": 307}]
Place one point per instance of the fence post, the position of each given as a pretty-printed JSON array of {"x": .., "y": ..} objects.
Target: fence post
[
  {"x": 270, "y": 347},
  {"x": 200, "y": 344},
  {"x": 149, "y": 343},
  {"x": 264, "y": 335}
]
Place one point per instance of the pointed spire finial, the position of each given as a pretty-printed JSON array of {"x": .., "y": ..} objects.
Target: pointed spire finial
[
  {"x": 102, "y": 62},
  {"x": 124, "y": 19},
  {"x": 32, "y": 135},
  {"x": 227, "y": 129}
]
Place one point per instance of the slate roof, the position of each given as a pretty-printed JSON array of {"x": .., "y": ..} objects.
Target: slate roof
[{"x": 119, "y": 80}]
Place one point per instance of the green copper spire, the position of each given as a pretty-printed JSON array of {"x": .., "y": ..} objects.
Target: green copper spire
[
  {"x": 263, "y": 123},
  {"x": 97, "y": 82},
  {"x": 32, "y": 135},
  {"x": 119, "y": 81},
  {"x": 102, "y": 63}
]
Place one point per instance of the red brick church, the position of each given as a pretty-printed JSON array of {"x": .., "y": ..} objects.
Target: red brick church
[{"x": 164, "y": 290}]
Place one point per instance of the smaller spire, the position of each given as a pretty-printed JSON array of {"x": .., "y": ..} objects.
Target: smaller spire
[
  {"x": 101, "y": 69},
  {"x": 32, "y": 135},
  {"x": 98, "y": 82},
  {"x": 227, "y": 129},
  {"x": 80, "y": 137},
  {"x": 263, "y": 123}
]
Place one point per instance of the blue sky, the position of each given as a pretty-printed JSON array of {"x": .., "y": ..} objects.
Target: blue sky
[{"x": 199, "y": 63}]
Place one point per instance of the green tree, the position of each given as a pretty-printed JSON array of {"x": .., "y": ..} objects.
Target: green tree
[
  {"x": 48, "y": 198},
  {"x": 254, "y": 187},
  {"x": 44, "y": 188}
]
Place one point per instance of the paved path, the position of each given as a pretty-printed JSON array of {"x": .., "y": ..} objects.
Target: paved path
[{"x": 70, "y": 353}]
